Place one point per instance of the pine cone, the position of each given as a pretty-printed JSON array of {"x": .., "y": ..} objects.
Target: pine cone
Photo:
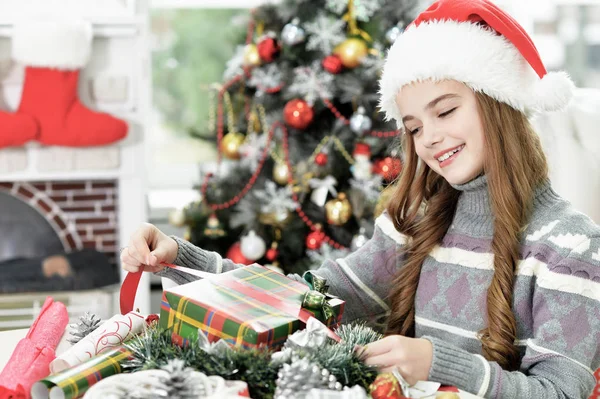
[
  {"x": 87, "y": 323},
  {"x": 181, "y": 383},
  {"x": 296, "y": 379}
]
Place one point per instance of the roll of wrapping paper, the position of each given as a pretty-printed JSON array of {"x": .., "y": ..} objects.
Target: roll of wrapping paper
[
  {"x": 112, "y": 333},
  {"x": 74, "y": 382}
]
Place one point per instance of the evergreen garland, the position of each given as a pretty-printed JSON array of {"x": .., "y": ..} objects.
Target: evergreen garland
[{"x": 155, "y": 349}]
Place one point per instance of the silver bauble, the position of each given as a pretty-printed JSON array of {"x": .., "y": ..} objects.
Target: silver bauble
[
  {"x": 392, "y": 34},
  {"x": 292, "y": 33},
  {"x": 252, "y": 246},
  {"x": 360, "y": 123},
  {"x": 359, "y": 239}
]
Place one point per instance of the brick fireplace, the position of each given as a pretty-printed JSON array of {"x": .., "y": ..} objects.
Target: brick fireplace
[{"x": 83, "y": 213}]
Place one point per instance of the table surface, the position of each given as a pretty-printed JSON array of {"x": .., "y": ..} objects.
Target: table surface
[{"x": 9, "y": 340}]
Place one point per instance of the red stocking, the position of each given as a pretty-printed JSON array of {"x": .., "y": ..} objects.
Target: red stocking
[
  {"x": 53, "y": 53},
  {"x": 16, "y": 129}
]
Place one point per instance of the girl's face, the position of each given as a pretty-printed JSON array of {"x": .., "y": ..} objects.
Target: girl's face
[{"x": 443, "y": 120}]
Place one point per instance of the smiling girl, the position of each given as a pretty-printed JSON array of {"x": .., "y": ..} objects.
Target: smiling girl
[{"x": 487, "y": 279}]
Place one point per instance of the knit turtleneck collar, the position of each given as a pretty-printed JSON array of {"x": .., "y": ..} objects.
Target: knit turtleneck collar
[
  {"x": 474, "y": 199},
  {"x": 474, "y": 213}
]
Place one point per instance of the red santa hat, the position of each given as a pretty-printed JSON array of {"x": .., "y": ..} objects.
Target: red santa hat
[{"x": 474, "y": 42}]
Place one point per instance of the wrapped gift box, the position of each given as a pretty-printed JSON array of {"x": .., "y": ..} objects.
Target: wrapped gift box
[{"x": 250, "y": 307}]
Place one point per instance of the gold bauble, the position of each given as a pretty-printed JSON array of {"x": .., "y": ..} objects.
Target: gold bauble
[
  {"x": 281, "y": 173},
  {"x": 351, "y": 52},
  {"x": 251, "y": 56},
  {"x": 231, "y": 143},
  {"x": 338, "y": 210}
]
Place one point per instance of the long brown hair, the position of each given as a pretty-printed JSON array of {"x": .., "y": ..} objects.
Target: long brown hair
[{"x": 423, "y": 206}]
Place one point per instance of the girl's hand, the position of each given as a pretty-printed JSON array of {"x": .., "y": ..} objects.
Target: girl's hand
[
  {"x": 411, "y": 356},
  {"x": 148, "y": 247}
]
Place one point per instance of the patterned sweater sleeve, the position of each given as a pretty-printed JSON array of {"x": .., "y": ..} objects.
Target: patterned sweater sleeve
[
  {"x": 561, "y": 357},
  {"x": 362, "y": 278}
]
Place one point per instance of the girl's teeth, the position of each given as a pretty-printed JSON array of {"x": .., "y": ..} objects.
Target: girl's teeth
[{"x": 449, "y": 154}]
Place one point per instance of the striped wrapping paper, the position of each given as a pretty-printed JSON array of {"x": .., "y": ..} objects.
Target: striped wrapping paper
[
  {"x": 74, "y": 382},
  {"x": 221, "y": 312}
]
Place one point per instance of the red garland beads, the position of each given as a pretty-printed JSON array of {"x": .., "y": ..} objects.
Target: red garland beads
[
  {"x": 268, "y": 49},
  {"x": 235, "y": 254},
  {"x": 298, "y": 114},
  {"x": 314, "y": 239},
  {"x": 321, "y": 159},
  {"x": 332, "y": 64}
]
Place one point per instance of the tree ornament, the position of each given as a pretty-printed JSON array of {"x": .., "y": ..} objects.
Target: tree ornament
[
  {"x": 338, "y": 210},
  {"x": 360, "y": 123},
  {"x": 332, "y": 64},
  {"x": 393, "y": 34},
  {"x": 292, "y": 33},
  {"x": 362, "y": 168},
  {"x": 281, "y": 173},
  {"x": 359, "y": 239},
  {"x": 268, "y": 49},
  {"x": 296, "y": 379},
  {"x": 351, "y": 51},
  {"x": 177, "y": 217},
  {"x": 252, "y": 246},
  {"x": 214, "y": 228},
  {"x": 87, "y": 323},
  {"x": 236, "y": 256},
  {"x": 389, "y": 168},
  {"x": 386, "y": 386},
  {"x": 315, "y": 238},
  {"x": 231, "y": 143},
  {"x": 321, "y": 159},
  {"x": 298, "y": 114},
  {"x": 251, "y": 55},
  {"x": 273, "y": 252}
]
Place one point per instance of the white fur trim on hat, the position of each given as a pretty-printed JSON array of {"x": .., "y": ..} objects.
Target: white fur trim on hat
[
  {"x": 475, "y": 55},
  {"x": 52, "y": 43}
]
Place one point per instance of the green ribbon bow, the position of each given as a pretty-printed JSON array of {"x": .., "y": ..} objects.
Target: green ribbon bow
[{"x": 317, "y": 297}]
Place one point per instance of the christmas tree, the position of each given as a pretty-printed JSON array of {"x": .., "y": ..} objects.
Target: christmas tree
[{"x": 304, "y": 152}]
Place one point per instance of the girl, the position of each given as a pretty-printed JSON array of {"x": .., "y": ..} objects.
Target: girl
[{"x": 488, "y": 279}]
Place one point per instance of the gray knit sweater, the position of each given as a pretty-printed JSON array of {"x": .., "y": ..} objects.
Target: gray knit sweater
[{"x": 556, "y": 295}]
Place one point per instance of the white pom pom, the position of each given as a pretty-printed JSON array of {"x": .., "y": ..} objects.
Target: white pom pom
[{"x": 553, "y": 92}]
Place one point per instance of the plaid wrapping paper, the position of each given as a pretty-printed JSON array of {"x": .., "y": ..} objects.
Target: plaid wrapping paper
[
  {"x": 74, "y": 382},
  {"x": 223, "y": 313}
]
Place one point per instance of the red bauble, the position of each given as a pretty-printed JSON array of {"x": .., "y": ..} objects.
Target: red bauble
[
  {"x": 388, "y": 168},
  {"x": 298, "y": 114},
  {"x": 315, "y": 239},
  {"x": 332, "y": 64},
  {"x": 321, "y": 159},
  {"x": 268, "y": 49},
  {"x": 235, "y": 254},
  {"x": 272, "y": 254},
  {"x": 386, "y": 386}
]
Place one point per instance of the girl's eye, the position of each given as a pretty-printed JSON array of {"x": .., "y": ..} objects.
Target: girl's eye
[
  {"x": 414, "y": 131},
  {"x": 444, "y": 114}
]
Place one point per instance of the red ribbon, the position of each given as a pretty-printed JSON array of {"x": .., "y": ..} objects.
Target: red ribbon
[
  {"x": 129, "y": 289},
  {"x": 132, "y": 280}
]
